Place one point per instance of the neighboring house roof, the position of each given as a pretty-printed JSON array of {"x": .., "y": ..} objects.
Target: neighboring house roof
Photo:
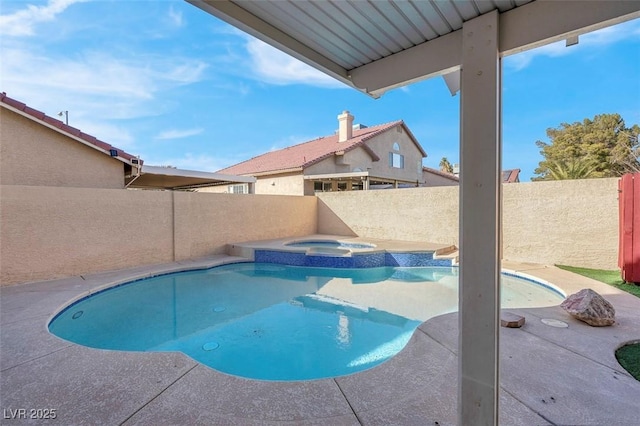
[
  {"x": 510, "y": 176},
  {"x": 170, "y": 178},
  {"x": 301, "y": 156},
  {"x": 72, "y": 132},
  {"x": 446, "y": 175}
]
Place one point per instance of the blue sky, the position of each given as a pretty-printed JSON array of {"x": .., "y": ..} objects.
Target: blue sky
[{"x": 166, "y": 81}]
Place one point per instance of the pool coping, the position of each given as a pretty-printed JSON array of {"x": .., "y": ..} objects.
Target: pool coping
[
  {"x": 247, "y": 248},
  {"x": 574, "y": 366}
]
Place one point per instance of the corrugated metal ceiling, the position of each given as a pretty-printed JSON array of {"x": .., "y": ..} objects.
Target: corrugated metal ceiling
[
  {"x": 352, "y": 33},
  {"x": 378, "y": 45}
]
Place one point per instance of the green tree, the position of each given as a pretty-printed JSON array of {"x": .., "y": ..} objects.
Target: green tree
[
  {"x": 601, "y": 147},
  {"x": 577, "y": 168},
  {"x": 445, "y": 165}
]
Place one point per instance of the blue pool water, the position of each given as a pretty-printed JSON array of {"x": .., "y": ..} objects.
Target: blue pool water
[{"x": 276, "y": 322}]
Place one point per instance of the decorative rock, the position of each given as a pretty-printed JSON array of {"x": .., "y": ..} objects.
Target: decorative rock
[
  {"x": 588, "y": 306},
  {"x": 510, "y": 320}
]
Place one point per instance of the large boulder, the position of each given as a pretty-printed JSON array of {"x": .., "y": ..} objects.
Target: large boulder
[{"x": 588, "y": 306}]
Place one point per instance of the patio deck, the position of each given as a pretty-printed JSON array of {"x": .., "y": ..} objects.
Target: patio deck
[{"x": 548, "y": 375}]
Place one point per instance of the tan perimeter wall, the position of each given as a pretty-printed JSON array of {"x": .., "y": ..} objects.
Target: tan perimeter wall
[
  {"x": 48, "y": 232},
  {"x": 410, "y": 214},
  {"x": 562, "y": 222},
  {"x": 570, "y": 222}
]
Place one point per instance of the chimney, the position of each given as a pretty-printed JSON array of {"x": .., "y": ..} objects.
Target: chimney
[{"x": 345, "y": 126}]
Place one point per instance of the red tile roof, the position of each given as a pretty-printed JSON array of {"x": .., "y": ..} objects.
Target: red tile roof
[
  {"x": 301, "y": 156},
  {"x": 508, "y": 176},
  {"x": 449, "y": 176},
  {"x": 511, "y": 176},
  {"x": 62, "y": 127}
]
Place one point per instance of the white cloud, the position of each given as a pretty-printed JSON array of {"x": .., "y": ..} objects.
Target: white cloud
[
  {"x": 276, "y": 67},
  {"x": 522, "y": 60},
  {"x": 603, "y": 37},
  {"x": 175, "y": 17},
  {"x": 22, "y": 22},
  {"x": 112, "y": 134},
  {"x": 612, "y": 34},
  {"x": 178, "y": 134},
  {"x": 94, "y": 83}
]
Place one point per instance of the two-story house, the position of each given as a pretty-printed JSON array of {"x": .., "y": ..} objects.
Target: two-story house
[{"x": 354, "y": 158}]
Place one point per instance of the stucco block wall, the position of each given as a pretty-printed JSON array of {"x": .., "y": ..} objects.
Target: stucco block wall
[
  {"x": 205, "y": 223},
  {"x": 562, "y": 222},
  {"x": 571, "y": 222},
  {"x": 282, "y": 184},
  {"x": 48, "y": 233},
  {"x": 410, "y": 214},
  {"x": 55, "y": 232},
  {"x": 33, "y": 154}
]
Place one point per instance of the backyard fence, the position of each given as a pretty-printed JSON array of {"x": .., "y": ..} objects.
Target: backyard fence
[{"x": 629, "y": 210}]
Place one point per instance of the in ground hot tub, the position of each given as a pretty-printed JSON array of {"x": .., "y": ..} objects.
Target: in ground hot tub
[
  {"x": 313, "y": 244},
  {"x": 328, "y": 251}
]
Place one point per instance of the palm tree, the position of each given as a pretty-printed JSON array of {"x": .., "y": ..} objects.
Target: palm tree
[
  {"x": 445, "y": 165},
  {"x": 576, "y": 168}
]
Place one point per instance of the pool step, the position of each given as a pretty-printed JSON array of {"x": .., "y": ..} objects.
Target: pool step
[{"x": 451, "y": 252}]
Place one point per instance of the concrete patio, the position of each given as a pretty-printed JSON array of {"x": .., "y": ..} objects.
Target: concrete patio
[{"x": 549, "y": 375}]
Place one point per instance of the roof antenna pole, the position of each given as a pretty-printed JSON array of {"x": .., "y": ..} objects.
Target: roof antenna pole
[{"x": 66, "y": 116}]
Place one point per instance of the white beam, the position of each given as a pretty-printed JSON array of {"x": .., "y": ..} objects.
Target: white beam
[
  {"x": 480, "y": 204},
  {"x": 430, "y": 59},
  {"x": 526, "y": 27},
  {"x": 543, "y": 22}
]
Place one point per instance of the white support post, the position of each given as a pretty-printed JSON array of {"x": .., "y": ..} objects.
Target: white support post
[{"x": 480, "y": 211}]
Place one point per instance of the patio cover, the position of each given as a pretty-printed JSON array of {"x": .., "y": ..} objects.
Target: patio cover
[
  {"x": 154, "y": 177},
  {"x": 375, "y": 46}
]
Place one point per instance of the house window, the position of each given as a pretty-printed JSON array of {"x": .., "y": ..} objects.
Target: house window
[
  {"x": 396, "y": 160},
  {"x": 238, "y": 189},
  {"x": 319, "y": 186}
]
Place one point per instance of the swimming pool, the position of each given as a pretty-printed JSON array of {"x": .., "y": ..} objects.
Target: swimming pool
[{"x": 276, "y": 322}]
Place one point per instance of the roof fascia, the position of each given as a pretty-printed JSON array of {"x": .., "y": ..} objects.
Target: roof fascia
[
  {"x": 275, "y": 172},
  {"x": 67, "y": 134}
]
